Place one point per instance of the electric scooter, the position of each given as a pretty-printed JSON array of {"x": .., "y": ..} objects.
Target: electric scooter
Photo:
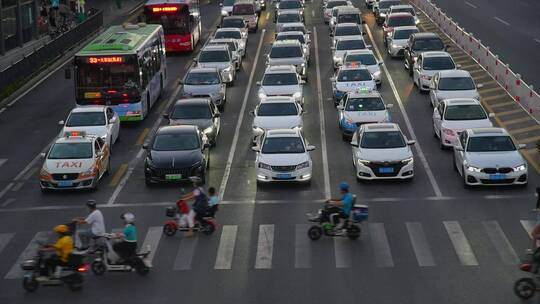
[
  {"x": 525, "y": 288},
  {"x": 351, "y": 228},
  {"x": 108, "y": 260},
  {"x": 172, "y": 226}
]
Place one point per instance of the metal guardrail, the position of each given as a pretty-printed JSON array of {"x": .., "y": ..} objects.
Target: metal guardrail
[
  {"x": 521, "y": 92},
  {"x": 48, "y": 53}
]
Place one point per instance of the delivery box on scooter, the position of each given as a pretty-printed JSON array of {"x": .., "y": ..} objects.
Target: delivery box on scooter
[{"x": 360, "y": 213}]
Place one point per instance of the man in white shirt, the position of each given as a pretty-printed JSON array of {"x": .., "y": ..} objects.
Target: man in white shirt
[{"x": 97, "y": 225}]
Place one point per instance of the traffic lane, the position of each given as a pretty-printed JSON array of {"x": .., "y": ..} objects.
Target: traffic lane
[
  {"x": 418, "y": 106},
  {"x": 493, "y": 33},
  {"x": 136, "y": 191}
]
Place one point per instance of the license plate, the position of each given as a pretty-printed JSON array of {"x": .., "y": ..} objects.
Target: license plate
[
  {"x": 283, "y": 176},
  {"x": 386, "y": 170},
  {"x": 65, "y": 183},
  {"x": 497, "y": 176},
  {"x": 173, "y": 176}
]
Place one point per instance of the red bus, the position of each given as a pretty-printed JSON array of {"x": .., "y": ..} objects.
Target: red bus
[{"x": 181, "y": 21}]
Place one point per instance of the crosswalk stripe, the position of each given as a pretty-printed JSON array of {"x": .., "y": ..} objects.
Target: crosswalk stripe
[
  {"x": 225, "y": 253},
  {"x": 528, "y": 226},
  {"x": 153, "y": 236},
  {"x": 501, "y": 243},
  {"x": 185, "y": 254},
  {"x": 302, "y": 247},
  {"x": 4, "y": 240},
  {"x": 2, "y": 161},
  {"x": 342, "y": 252},
  {"x": 381, "y": 248},
  {"x": 265, "y": 247},
  {"x": 420, "y": 244},
  {"x": 461, "y": 244},
  {"x": 29, "y": 252}
]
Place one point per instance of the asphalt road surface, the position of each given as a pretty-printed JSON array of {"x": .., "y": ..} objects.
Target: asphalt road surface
[{"x": 428, "y": 240}]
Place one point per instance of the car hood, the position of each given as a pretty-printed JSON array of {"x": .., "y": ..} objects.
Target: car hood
[
  {"x": 201, "y": 89},
  {"x": 277, "y": 122},
  {"x": 286, "y": 159},
  {"x": 68, "y": 165},
  {"x": 286, "y": 61},
  {"x": 400, "y": 42},
  {"x": 381, "y": 155},
  {"x": 373, "y": 68},
  {"x": 95, "y": 130},
  {"x": 367, "y": 116},
  {"x": 219, "y": 65},
  {"x": 457, "y": 94},
  {"x": 175, "y": 159},
  {"x": 351, "y": 86},
  {"x": 201, "y": 123},
  {"x": 494, "y": 159},
  {"x": 460, "y": 125},
  {"x": 281, "y": 89}
]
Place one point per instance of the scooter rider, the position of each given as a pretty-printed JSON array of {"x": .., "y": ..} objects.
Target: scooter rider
[
  {"x": 341, "y": 208},
  {"x": 200, "y": 198},
  {"x": 97, "y": 222},
  {"x": 62, "y": 249},
  {"x": 128, "y": 246}
]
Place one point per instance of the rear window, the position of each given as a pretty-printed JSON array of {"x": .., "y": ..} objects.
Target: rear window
[
  {"x": 332, "y": 4},
  {"x": 286, "y": 52},
  {"x": 290, "y": 5},
  {"x": 400, "y": 21},
  {"x": 428, "y": 44},
  {"x": 243, "y": 9},
  {"x": 345, "y": 45},
  {"x": 387, "y": 4},
  {"x": 404, "y": 34},
  {"x": 409, "y": 10},
  {"x": 228, "y": 34},
  {"x": 298, "y": 37},
  {"x": 214, "y": 56},
  {"x": 348, "y": 31},
  {"x": 289, "y": 18}
]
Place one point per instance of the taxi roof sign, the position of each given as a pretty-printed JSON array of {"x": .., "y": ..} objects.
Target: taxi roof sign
[
  {"x": 75, "y": 134},
  {"x": 354, "y": 64}
]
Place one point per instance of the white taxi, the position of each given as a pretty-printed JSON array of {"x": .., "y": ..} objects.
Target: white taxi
[
  {"x": 101, "y": 121},
  {"x": 351, "y": 78},
  {"x": 75, "y": 161}
]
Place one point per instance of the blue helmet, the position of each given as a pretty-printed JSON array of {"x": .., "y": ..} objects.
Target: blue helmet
[{"x": 344, "y": 186}]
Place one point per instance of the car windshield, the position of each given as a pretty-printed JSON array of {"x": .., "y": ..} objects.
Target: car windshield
[
  {"x": 86, "y": 119},
  {"x": 490, "y": 144},
  {"x": 228, "y": 2},
  {"x": 243, "y": 9},
  {"x": 231, "y": 44},
  {"x": 382, "y": 140},
  {"x": 349, "y": 18},
  {"x": 176, "y": 142},
  {"x": 298, "y": 37},
  {"x": 387, "y": 4},
  {"x": 202, "y": 78},
  {"x": 400, "y": 21},
  {"x": 228, "y": 34},
  {"x": 214, "y": 56},
  {"x": 287, "y": 18},
  {"x": 364, "y": 104},
  {"x": 71, "y": 151},
  {"x": 431, "y": 44},
  {"x": 348, "y": 31},
  {"x": 332, "y": 4},
  {"x": 438, "y": 63},
  {"x": 191, "y": 112},
  {"x": 286, "y": 52},
  {"x": 275, "y": 145},
  {"x": 404, "y": 34},
  {"x": 409, "y": 10},
  {"x": 277, "y": 109},
  {"x": 365, "y": 59},
  {"x": 465, "y": 112},
  {"x": 290, "y": 5},
  {"x": 456, "y": 83},
  {"x": 354, "y": 75},
  {"x": 233, "y": 22},
  {"x": 345, "y": 45},
  {"x": 280, "y": 79}
]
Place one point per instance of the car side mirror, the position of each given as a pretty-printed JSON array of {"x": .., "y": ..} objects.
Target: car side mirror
[
  {"x": 112, "y": 120},
  {"x": 364, "y": 33},
  {"x": 42, "y": 155},
  {"x": 331, "y": 34},
  {"x": 100, "y": 154},
  {"x": 479, "y": 86},
  {"x": 432, "y": 86},
  {"x": 380, "y": 63},
  {"x": 363, "y": 22},
  {"x": 310, "y": 148},
  {"x": 61, "y": 122},
  {"x": 332, "y": 78},
  {"x": 255, "y": 149},
  {"x": 354, "y": 144},
  {"x": 407, "y": 48},
  {"x": 340, "y": 107},
  {"x": 252, "y": 113},
  {"x": 258, "y": 83},
  {"x": 458, "y": 148},
  {"x": 411, "y": 142},
  {"x": 302, "y": 81},
  {"x": 390, "y": 105},
  {"x": 145, "y": 146},
  {"x": 368, "y": 46},
  {"x": 67, "y": 73},
  {"x": 206, "y": 146},
  {"x": 491, "y": 115},
  {"x": 166, "y": 116},
  {"x": 458, "y": 66},
  {"x": 221, "y": 4},
  {"x": 333, "y": 48},
  {"x": 522, "y": 146},
  {"x": 446, "y": 47}
]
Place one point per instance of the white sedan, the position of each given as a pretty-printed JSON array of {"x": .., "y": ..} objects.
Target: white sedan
[
  {"x": 452, "y": 84},
  {"x": 452, "y": 116},
  {"x": 101, "y": 121},
  {"x": 358, "y": 108},
  {"x": 279, "y": 112},
  {"x": 428, "y": 64}
]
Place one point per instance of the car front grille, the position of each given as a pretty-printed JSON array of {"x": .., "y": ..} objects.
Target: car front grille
[
  {"x": 283, "y": 168},
  {"x": 375, "y": 166},
  {"x": 65, "y": 176},
  {"x": 185, "y": 172},
  {"x": 497, "y": 170}
]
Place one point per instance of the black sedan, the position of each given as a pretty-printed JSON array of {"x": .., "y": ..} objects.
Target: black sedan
[{"x": 175, "y": 154}]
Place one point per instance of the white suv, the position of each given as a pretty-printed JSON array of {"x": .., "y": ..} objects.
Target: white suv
[{"x": 283, "y": 155}]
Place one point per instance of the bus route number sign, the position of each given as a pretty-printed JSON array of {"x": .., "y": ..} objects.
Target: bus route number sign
[{"x": 109, "y": 59}]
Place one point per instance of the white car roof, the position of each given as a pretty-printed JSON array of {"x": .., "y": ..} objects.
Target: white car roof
[
  {"x": 343, "y": 38},
  {"x": 352, "y": 67},
  {"x": 401, "y": 6},
  {"x": 435, "y": 54},
  {"x": 202, "y": 70},
  {"x": 364, "y": 94},
  {"x": 360, "y": 52},
  {"x": 487, "y": 132},
  {"x": 381, "y": 127},
  {"x": 280, "y": 69},
  {"x": 283, "y": 133},
  {"x": 347, "y": 24},
  {"x": 287, "y": 42},
  {"x": 454, "y": 73},
  {"x": 218, "y": 47},
  {"x": 92, "y": 108},
  {"x": 461, "y": 101},
  {"x": 277, "y": 99},
  {"x": 290, "y": 33},
  {"x": 406, "y": 28},
  {"x": 228, "y": 29}
]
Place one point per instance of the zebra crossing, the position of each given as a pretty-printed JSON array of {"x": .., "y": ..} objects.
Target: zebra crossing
[{"x": 375, "y": 239}]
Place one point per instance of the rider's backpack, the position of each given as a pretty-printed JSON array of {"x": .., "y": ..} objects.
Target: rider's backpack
[{"x": 201, "y": 203}]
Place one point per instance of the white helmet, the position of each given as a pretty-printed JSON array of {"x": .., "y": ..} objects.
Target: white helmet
[{"x": 128, "y": 217}]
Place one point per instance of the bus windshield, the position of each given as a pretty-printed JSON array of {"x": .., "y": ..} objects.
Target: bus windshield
[
  {"x": 174, "y": 23},
  {"x": 123, "y": 75}
]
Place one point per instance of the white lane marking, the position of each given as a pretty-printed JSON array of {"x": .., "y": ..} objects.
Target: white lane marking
[
  {"x": 313, "y": 13},
  {"x": 232, "y": 151},
  {"x": 302, "y": 247},
  {"x": 420, "y": 244},
  {"x": 17, "y": 187},
  {"x": 225, "y": 252},
  {"x": 4, "y": 240},
  {"x": 2, "y": 110},
  {"x": 342, "y": 252},
  {"x": 537, "y": 40},
  {"x": 528, "y": 226},
  {"x": 267, "y": 15},
  {"x": 326, "y": 174},
  {"x": 265, "y": 247},
  {"x": 470, "y": 4},
  {"x": 28, "y": 253},
  {"x": 500, "y": 242},
  {"x": 407, "y": 121},
  {"x": 6, "y": 189},
  {"x": 461, "y": 244},
  {"x": 381, "y": 248},
  {"x": 501, "y": 21},
  {"x": 2, "y": 161},
  {"x": 8, "y": 202},
  {"x": 185, "y": 254},
  {"x": 153, "y": 236},
  {"x": 30, "y": 173}
]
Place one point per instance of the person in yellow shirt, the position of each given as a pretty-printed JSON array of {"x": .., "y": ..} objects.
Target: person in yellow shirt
[{"x": 62, "y": 249}]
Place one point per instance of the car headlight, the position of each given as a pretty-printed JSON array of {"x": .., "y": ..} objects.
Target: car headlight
[
  {"x": 416, "y": 21},
  {"x": 258, "y": 129},
  {"x": 395, "y": 46},
  {"x": 227, "y": 69},
  {"x": 224, "y": 13},
  {"x": 337, "y": 59},
  {"x": 520, "y": 168},
  {"x": 473, "y": 169},
  {"x": 364, "y": 162},
  {"x": 262, "y": 94},
  {"x": 297, "y": 95},
  {"x": 44, "y": 173},
  {"x": 88, "y": 173},
  {"x": 302, "y": 165},
  {"x": 407, "y": 160},
  {"x": 208, "y": 130},
  {"x": 265, "y": 166},
  {"x": 377, "y": 74}
]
